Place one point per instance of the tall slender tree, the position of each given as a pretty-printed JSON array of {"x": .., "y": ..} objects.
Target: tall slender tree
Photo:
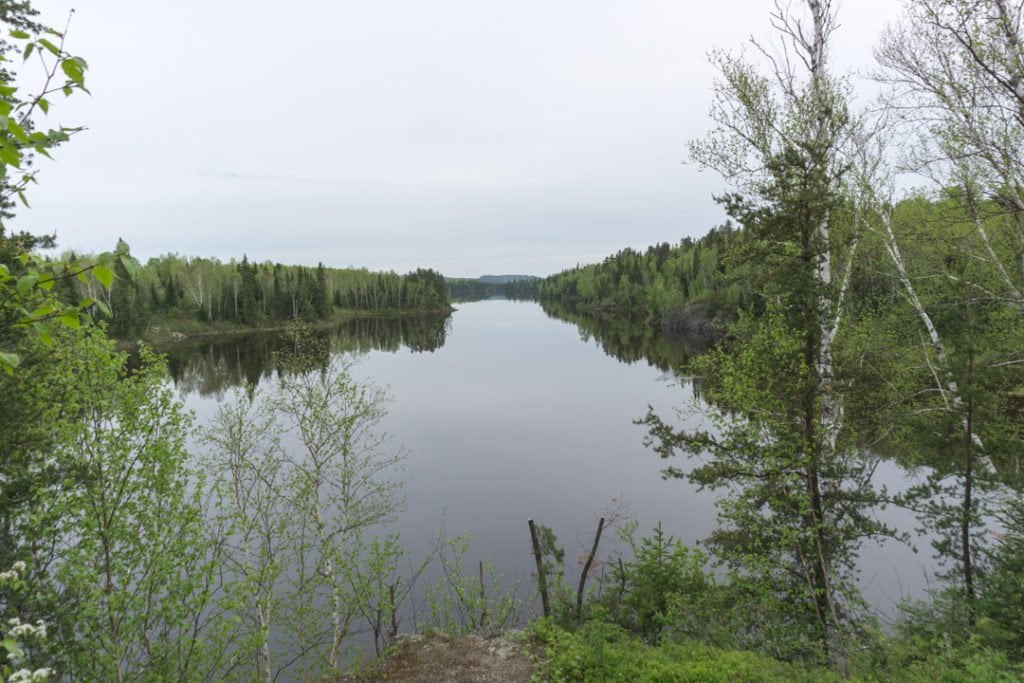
[{"x": 797, "y": 514}]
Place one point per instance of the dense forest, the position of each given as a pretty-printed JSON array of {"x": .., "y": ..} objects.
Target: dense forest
[
  {"x": 174, "y": 288},
  {"x": 860, "y": 324},
  {"x": 656, "y": 285}
]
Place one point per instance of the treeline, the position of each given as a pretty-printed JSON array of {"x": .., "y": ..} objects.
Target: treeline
[
  {"x": 477, "y": 289},
  {"x": 701, "y": 285},
  {"x": 655, "y": 284},
  {"x": 242, "y": 292}
]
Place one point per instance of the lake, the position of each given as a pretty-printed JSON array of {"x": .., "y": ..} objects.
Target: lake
[{"x": 509, "y": 414}]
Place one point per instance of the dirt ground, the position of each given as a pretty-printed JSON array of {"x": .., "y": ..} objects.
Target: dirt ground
[{"x": 435, "y": 658}]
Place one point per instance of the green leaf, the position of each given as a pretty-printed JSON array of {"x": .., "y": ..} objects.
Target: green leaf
[
  {"x": 10, "y": 156},
  {"x": 17, "y": 131},
  {"x": 53, "y": 49},
  {"x": 43, "y": 332},
  {"x": 43, "y": 311},
  {"x": 69, "y": 318},
  {"x": 103, "y": 275},
  {"x": 9, "y": 360},
  {"x": 13, "y": 651},
  {"x": 29, "y": 49},
  {"x": 44, "y": 104},
  {"x": 27, "y": 282},
  {"x": 67, "y": 90},
  {"x": 46, "y": 282},
  {"x": 104, "y": 308},
  {"x": 20, "y": 35},
  {"x": 74, "y": 71},
  {"x": 129, "y": 265}
]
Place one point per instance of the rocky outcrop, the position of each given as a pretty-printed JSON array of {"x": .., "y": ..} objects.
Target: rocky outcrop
[
  {"x": 698, "y": 319},
  {"x": 436, "y": 658}
]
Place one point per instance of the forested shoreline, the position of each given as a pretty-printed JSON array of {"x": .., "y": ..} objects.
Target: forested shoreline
[
  {"x": 172, "y": 290},
  {"x": 683, "y": 287}
]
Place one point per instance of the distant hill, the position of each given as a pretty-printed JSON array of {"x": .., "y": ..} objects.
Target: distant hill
[{"x": 505, "y": 279}]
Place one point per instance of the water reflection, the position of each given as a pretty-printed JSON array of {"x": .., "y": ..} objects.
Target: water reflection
[
  {"x": 210, "y": 366},
  {"x": 633, "y": 340},
  {"x": 511, "y": 417}
]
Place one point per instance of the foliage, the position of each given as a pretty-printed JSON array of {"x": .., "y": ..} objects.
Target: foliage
[
  {"x": 604, "y": 652},
  {"x": 100, "y": 509},
  {"x": 662, "y": 570},
  {"x": 172, "y": 287},
  {"x": 954, "y": 70},
  {"x": 112, "y": 533},
  {"x": 1001, "y": 606},
  {"x": 798, "y": 487},
  {"x": 654, "y": 285},
  {"x": 15, "y": 633},
  {"x": 27, "y": 282},
  {"x": 757, "y": 454},
  {"x": 460, "y": 603},
  {"x": 45, "y": 398},
  {"x": 245, "y": 527},
  {"x": 302, "y": 476},
  {"x": 929, "y": 645}
]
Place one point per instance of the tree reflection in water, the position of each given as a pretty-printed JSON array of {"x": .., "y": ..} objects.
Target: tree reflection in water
[{"x": 209, "y": 366}]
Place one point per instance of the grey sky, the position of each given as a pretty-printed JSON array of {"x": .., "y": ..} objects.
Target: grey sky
[{"x": 471, "y": 136}]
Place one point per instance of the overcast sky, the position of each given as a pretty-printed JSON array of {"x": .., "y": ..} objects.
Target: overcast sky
[{"x": 470, "y": 136}]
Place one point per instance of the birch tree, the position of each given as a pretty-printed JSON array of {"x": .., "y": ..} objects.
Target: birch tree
[
  {"x": 127, "y": 537},
  {"x": 304, "y": 476},
  {"x": 794, "y": 514},
  {"x": 248, "y": 527},
  {"x": 956, "y": 68}
]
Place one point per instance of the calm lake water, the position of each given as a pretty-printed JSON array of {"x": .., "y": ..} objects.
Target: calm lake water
[{"x": 509, "y": 414}]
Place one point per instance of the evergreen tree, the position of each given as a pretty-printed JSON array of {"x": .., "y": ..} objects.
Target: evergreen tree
[
  {"x": 248, "y": 293},
  {"x": 127, "y": 312},
  {"x": 319, "y": 295},
  {"x": 799, "y": 490}
]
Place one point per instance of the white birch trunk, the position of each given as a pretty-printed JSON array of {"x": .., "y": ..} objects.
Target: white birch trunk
[
  {"x": 979, "y": 226},
  {"x": 829, "y": 311},
  {"x": 945, "y": 382}
]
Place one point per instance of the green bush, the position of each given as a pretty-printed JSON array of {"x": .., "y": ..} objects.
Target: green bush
[
  {"x": 663, "y": 570},
  {"x": 605, "y": 652}
]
